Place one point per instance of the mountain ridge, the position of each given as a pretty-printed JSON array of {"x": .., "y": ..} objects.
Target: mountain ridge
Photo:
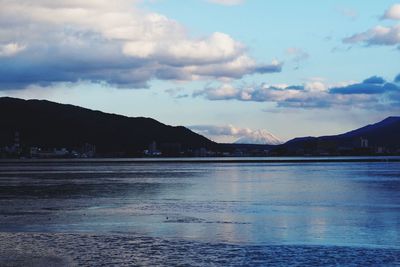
[
  {"x": 46, "y": 124},
  {"x": 49, "y": 124},
  {"x": 384, "y": 133}
]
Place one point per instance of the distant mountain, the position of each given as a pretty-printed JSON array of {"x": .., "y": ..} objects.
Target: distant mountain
[
  {"x": 382, "y": 134},
  {"x": 259, "y": 137},
  {"x": 49, "y": 125}
]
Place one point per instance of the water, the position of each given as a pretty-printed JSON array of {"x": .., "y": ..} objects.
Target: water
[{"x": 316, "y": 212}]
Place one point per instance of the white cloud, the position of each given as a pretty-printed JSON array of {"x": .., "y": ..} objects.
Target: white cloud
[
  {"x": 315, "y": 86},
  {"x": 379, "y": 35},
  {"x": 11, "y": 49},
  {"x": 225, "y": 91},
  {"x": 393, "y": 12},
  {"x": 217, "y": 48},
  {"x": 227, "y": 2},
  {"x": 114, "y": 42}
]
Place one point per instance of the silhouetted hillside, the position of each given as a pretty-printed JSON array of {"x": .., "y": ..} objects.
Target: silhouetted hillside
[
  {"x": 384, "y": 134},
  {"x": 51, "y": 125}
]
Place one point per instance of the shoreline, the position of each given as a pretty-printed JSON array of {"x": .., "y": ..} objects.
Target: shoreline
[{"x": 361, "y": 159}]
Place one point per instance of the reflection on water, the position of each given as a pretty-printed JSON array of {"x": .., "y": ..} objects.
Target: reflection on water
[{"x": 349, "y": 204}]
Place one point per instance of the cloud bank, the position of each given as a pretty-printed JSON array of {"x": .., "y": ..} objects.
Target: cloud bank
[
  {"x": 372, "y": 93},
  {"x": 113, "y": 42}
]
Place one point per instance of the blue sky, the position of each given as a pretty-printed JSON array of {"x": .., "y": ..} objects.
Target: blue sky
[{"x": 227, "y": 68}]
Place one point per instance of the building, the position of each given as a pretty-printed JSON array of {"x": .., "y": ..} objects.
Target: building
[
  {"x": 88, "y": 151},
  {"x": 363, "y": 143},
  {"x": 152, "y": 150}
]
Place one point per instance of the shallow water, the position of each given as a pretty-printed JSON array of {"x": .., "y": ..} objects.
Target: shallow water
[{"x": 318, "y": 207}]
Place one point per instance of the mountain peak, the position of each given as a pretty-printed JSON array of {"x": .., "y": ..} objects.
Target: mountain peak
[{"x": 260, "y": 137}]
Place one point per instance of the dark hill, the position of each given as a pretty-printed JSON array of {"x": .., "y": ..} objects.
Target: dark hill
[
  {"x": 382, "y": 134},
  {"x": 51, "y": 125}
]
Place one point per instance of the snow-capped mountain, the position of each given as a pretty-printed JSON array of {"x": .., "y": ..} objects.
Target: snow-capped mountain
[{"x": 259, "y": 137}]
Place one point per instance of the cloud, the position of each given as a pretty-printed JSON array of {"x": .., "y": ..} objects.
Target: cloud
[
  {"x": 227, "y": 2},
  {"x": 370, "y": 86},
  {"x": 223, "y": 92},
  {"x": 372, "y": 93},
  {"x": 392, "y": 13},
  {"x": 348, "y": 12},
  {"x": 362, "y": 88},
  {"x": 110, "y": 42},
  {"x": 177, "y": 92},
  {"x": 228, "y": 130},
  {"x": 397, "y": 79},
  {"x": 230, "y": 133},
  {"x": 374, "y": 80},
  {"x": 297, "y": 54},
  {"x": 11, "y": 49},
  {"x": 379, "y": 35}
]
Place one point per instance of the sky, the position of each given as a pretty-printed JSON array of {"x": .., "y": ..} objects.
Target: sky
[{"x": 224, "y": 68}]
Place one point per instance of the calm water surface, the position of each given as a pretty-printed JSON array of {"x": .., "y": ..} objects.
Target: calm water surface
[{"x": 348, "y": 205}]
